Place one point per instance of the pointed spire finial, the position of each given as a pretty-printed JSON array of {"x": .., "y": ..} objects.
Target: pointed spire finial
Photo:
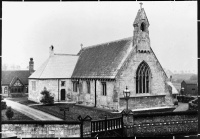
[{"x": 141, "y": 5}]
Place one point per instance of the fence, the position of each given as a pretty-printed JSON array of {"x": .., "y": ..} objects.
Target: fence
[
  {"x": 185, "y": 99},
  {"x": 107, "y": 127}
]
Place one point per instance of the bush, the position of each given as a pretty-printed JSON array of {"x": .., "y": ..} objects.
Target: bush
[
  {"x": 175, "y": 102},
  {"x": 3, "y": 105},
  {"x": 16, "y": 95},
  {"x": 47, "y": 99},
  {"x": 9, "y": 113}
]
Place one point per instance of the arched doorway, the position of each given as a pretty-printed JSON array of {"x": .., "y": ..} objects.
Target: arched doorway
[{"x": 63, "y": 94}]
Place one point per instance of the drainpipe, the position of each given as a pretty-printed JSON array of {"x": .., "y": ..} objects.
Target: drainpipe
[
  {"x": 95, "y": 91},
  {"x": 58, "y": 90}
]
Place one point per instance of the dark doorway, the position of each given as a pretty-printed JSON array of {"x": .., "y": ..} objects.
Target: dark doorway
[{"x": 62, "y": 94}]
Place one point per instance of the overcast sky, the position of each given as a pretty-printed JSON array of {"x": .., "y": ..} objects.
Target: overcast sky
[{"x": 29, "y": 28}]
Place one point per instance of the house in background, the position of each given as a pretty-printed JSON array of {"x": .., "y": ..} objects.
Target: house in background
[
  {"x": 173, "y": 90},
  {"x": 98, "y": 74},
  {"x": 16, "y": 81},
  {"x": 189, "y": 88}
]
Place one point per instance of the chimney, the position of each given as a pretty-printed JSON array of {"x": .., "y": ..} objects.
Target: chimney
[
  {"x": 51, "y": 51},
  {"x": 31, "y": 66}
]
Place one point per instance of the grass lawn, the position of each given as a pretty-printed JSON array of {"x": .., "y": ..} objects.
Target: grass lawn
[
  {"x": 74, "y": 111},
  {"x": 17, "y": 116},
  {"x": 22, "y": 100},
  {"x": 72, "y": 114}
]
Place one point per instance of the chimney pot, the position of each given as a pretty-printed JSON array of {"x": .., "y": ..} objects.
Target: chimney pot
[
  {"x": 31, "y": 66},
  {"x": 51, "y": 51}
]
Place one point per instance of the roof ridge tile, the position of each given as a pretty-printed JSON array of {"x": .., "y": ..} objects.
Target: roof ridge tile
[{"x": 91, "y": 46}]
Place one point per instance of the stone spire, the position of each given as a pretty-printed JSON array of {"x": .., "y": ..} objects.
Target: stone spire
[{"x": 141, "y": 31}]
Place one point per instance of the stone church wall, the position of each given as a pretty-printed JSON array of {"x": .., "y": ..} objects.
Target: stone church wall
[
  {"x": 52, "y": 86},
  {"x": 102, "y": 101},
  {"x": 70, "y": 96},
  {"x": 158, "y": 87}
]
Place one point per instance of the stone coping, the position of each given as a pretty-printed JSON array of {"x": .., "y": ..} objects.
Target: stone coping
[
  {"x": 94, "y": 108},
  {"x": 146, "y": 109},
  {"x": 146, "y": 95}
]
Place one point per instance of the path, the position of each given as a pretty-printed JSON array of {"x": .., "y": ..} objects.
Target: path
[
  {"x": 182, "y": 107},
  {"x": 30, "y": 112}
]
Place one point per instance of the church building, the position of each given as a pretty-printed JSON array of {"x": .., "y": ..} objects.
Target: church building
[{"x": 98, "y": 74}]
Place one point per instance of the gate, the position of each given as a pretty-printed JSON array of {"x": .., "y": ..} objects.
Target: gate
[{"x": 107, "y": 127}]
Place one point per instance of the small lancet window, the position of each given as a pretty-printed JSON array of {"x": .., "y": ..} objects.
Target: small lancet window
[
  {"x": 142, "y": 27},
  {"x": 143, "y": 78}
]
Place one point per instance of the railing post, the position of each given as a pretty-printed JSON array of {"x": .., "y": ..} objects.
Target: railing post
[
  {"x": 64, "y": 115},
  {"x": 105, "y": 122},
  {"x": 81, "y": 128},
  {"x": 122, "y": 124}
]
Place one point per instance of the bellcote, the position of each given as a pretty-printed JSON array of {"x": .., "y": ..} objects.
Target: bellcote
[
  {"x": 141, "y": 31},
  {"x": 141, "y": 22}
]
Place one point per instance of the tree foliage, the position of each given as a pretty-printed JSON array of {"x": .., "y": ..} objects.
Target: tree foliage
[
  {"x": 47, "y": 98},
  {"x": 9, "y": 113},
  {"x": 193, "y": 77}
]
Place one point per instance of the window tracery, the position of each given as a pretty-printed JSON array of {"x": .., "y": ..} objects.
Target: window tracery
[{"x": 143, "y": 78}]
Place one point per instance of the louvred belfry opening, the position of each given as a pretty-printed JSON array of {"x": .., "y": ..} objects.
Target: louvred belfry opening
[{"x": 143, "y": 78}]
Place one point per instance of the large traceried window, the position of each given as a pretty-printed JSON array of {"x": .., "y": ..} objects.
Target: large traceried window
[{"x": 143, "y": 78}]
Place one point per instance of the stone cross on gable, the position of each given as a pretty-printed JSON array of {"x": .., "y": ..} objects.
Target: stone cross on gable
[{"x": 141, "y": 5}]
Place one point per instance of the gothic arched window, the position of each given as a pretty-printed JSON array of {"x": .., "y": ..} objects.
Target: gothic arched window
[{"x": 143, "y": 78}]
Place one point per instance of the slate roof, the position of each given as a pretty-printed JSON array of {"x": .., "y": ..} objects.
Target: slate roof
[
  {"x": 191, "y": 81},
  {"x": 102, "y": 60},
  {"x": 8, "y": 76},
  {"x": 56, "y": 66}
]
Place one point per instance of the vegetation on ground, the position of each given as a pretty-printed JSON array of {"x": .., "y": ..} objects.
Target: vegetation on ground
[
  {"x": 17, "y": 116},
  {"x": 47, "y": 99},
  {"x": 3, "y": 105},
  {"x": 74, "y": 111},
  {"x": 9, "y": 113},
  {"x": 27, "y": 102}
]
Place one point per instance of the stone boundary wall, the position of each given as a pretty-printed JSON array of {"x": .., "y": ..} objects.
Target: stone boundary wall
[
  {"x": 41, "y": 130},
  {"x": 162, "y": 124}
]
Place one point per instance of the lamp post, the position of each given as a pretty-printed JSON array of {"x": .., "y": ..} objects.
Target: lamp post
[{"x": 126, "y": 94}]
